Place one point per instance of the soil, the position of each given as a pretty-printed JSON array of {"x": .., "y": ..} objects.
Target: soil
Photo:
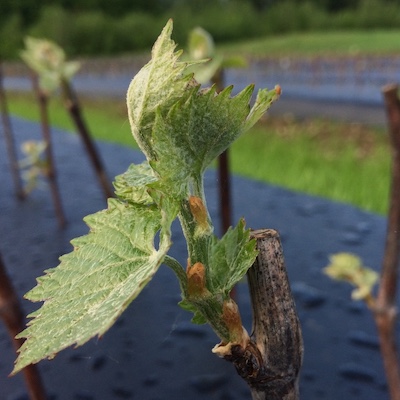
[{"x": 153, "y": 352}]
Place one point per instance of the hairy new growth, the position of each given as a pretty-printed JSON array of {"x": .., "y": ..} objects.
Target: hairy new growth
[{"x": 181, "y": 130}]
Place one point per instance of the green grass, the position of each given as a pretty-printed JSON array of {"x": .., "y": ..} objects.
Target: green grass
[
  {"x": 320, "y": 43},
  {"x": 107, "y": 119},
  {"x": 343, "y": 162}
]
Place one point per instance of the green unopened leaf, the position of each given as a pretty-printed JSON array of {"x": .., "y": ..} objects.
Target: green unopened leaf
[
  {"x": 95, "y": 283},
  {"x": 230, "y": 258},
  {"x": 158, "y": 85}
]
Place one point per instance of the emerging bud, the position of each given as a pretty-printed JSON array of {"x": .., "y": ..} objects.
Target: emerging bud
[
  {"x": 239, "y": 338},
  {"x": 199, "y": 212},
  {"x": 196, "y": 275},
  {"x": 233, "y": 321}
]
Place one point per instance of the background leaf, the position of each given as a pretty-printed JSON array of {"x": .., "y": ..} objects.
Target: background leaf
[
  {"x": 95, "y": 283},
  {"x": 201, "y": 47},
  {"x": 48, "y": 60},
  {"x": 348, "y": 267},
  {"x": 200, "y": 44}
]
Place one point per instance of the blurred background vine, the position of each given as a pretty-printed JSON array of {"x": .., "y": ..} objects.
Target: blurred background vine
[{"x": 76, "y": 25}]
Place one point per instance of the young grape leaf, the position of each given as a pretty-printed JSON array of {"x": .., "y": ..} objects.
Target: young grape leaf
[
  {"x": 230, "y": 258},
  {"x": 197, "y": 129},
  {"x": 96, "y": 282}
]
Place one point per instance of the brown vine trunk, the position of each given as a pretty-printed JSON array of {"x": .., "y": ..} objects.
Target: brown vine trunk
[
  {"x": 271, "y": 362},
  {"x": 13, "y": 318},
  {"x": 385, "y": 312}
]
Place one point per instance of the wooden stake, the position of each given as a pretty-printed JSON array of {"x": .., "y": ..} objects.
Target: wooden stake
[
  {"x": 225, "y": 205},
  {"x": 13, "y": 318},
  {"x": 74, "y": 109},
  {"x": 385, "y": 311},
  {"x": 225, "y": 191}
]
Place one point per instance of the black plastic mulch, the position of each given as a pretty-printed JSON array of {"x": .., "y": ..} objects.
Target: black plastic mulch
[{"x": 153, "y": 352}]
